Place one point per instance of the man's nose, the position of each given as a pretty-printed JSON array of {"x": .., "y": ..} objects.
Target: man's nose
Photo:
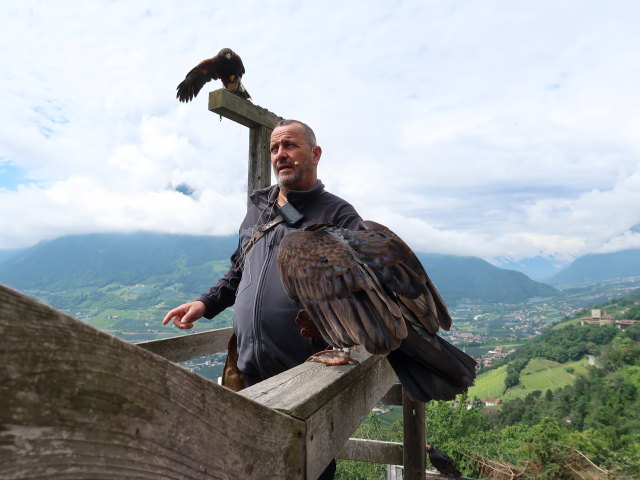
[{"x": 281, "y": 153}]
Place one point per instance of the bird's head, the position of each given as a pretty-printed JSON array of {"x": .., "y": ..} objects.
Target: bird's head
[{"x": 226, "y": 52}]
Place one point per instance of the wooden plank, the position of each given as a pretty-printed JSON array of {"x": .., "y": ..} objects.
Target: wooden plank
[
  {"x": 434, "y": 475},
  {"x": 393, "y": 396},
  {"x": 332, "y": 401},
  {"x": 76, "y": 402},
  {"x": 303, "y": 390},
  {"x": 395, "y": 472},
  {"x": 414, "y": 430},
  {"x": 239, "y": 110},
  {"x": 373, "y": 451},
  {"x": 186, "y": 347}
]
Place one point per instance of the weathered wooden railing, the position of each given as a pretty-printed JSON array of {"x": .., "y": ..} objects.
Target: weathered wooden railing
[
  {"x": 76, "y": 402},
  {"x": 330, "y": 401}
]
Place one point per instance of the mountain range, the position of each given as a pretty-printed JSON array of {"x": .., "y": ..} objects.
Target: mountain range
[
  {"x": 599, "y": 267},
  {"x": 101, "y": 259},
  {"x": 591, "y": 268}
]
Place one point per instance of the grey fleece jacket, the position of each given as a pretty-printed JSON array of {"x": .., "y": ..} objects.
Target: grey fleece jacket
[{"x": 269, "y": 342}]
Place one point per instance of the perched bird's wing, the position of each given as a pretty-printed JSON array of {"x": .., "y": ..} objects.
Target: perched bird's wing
[
  {"x": 206, "y": 70},
  {"x": 340, "y": 292},
  {"x": 402, "y": 273},
  {"x": 226, "y": 66}
]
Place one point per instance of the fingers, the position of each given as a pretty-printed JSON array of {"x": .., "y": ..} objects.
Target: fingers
[
  {"x": 184, "y": 315},
  {"x": 176, "y": 312},
  {"x": 181, "y": 324}
]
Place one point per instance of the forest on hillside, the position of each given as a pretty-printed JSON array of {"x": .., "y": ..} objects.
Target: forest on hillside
[{"x": 587, "y": 430}]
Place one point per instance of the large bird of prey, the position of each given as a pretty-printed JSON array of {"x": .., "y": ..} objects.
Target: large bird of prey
[
  {"x": 226, "y": 66},
  {"x": 368, "y": 288}
]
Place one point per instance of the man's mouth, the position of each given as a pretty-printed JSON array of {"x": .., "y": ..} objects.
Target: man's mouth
[{"x": 285, "y": 166}]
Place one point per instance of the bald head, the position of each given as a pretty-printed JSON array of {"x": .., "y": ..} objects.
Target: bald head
[{"x": 310, "y": 136}]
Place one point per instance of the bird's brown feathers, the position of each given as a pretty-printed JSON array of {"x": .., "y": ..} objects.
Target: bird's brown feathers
[
  {"x": 355, "y": 283},
  {"x": 226, "y": 66},
  {"x": 331, "y": 282},
  {"x": 368, "y": 288}
]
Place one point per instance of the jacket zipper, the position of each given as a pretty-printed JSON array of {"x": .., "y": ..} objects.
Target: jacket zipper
[{"x": 257, "y": 305}]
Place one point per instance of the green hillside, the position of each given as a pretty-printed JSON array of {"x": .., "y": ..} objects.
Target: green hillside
[
  {"x": 97, "y": 260},
  {"x": 542, "y": 374},
  {"x": 489, "y": 384},
  {"x": 568, "y": 421},
  {"x": 539, "y": 374},
  {"x": 561, "y": 417},
  {"x": 122, "y": 283}
]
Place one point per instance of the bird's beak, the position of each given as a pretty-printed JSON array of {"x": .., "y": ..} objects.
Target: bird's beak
[{"x": 228, "y": 55}]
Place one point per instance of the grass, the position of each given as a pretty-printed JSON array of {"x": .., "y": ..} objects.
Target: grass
[
  {"x": 489, "y": 384},
  {"x": 101, "y": 319},
  {"x": 539, "y": 374},
  {"x": 575, "y": 321}
]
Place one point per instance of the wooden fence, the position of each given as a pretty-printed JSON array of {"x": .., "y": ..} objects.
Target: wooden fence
[{"x": 76, "y": 402}]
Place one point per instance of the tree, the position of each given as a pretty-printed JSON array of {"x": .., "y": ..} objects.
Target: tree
[{"x": 543, "y": 447}]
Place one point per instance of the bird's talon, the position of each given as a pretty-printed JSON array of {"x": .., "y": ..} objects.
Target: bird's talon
[{"x": 333, "y": 358}]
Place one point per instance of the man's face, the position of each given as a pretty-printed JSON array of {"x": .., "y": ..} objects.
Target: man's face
[{"x": 294, "y": 161}]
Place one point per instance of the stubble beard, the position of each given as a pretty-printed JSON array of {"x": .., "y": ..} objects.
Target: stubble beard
[{"x": 288, "y": 179}]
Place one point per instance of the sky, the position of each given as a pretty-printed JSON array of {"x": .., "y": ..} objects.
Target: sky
[{"x": 506, "y": 130}]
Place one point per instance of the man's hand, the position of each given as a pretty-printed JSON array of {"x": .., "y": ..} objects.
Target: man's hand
[{"x": 184, "y": 315}]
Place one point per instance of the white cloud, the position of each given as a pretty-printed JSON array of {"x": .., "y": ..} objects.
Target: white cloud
[{"x": 489, "y": 129}]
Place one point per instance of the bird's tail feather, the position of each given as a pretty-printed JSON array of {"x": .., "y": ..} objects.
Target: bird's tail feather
[{"x": 432, "y": 370}]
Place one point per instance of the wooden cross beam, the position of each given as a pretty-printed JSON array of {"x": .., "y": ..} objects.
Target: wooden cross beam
[{"x": 260, "y": 122}]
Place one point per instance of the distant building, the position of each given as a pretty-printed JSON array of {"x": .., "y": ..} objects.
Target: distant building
[
  {"x": 622, "y": 324},
  {"x": 466, "y": 336},
  {"x": 501, "y": 352},
  {"x": 599, "y": 318},
  {"x": 490, "y": 402}
]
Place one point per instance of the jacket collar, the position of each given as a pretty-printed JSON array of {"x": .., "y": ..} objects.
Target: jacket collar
[{"x": 261, "y": 198}]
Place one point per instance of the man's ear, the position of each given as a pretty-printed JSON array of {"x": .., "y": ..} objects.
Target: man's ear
[{"x": 317, "y": 153}]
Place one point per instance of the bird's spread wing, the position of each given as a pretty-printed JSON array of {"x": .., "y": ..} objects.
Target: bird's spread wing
[
  {"x": 402, "y": 273},
  {"x": 340, "y": 291},
  {"x": 205, "y": 71}
]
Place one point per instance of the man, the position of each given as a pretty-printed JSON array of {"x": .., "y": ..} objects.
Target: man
[{"x": 268, "y": 340}]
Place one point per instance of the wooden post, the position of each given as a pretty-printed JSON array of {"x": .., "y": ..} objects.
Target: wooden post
[
  {"x": 259, "y": 159},
  {"x": 260, "y": 122},
  {"x": 331, "y": 401},
  {"x": 414, "y": 455}
]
